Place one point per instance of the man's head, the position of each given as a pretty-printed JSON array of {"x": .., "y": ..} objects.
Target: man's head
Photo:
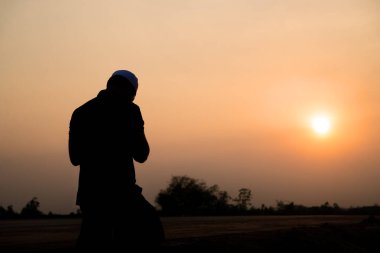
[{"x": 123, "y": 83}]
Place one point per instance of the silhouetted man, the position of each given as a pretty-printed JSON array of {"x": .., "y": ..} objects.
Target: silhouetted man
[{"x": 106, "y": 135}]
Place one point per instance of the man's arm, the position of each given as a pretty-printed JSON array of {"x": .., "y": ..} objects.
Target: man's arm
[{"x": 141, "y": 148}]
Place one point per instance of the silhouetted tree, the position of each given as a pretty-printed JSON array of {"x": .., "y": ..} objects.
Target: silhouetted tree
[
  {"x": 326, "y": 205},
  {"x": 10, "y": 212},
  {"x": 266, "y": 210},
  {"x": 244, "y": 198},
  {"x": 286, "y": 208},
  {"x": 7, "y": 213},
  {"x": 31, "y": 209},
  {"x": 3, "y": 212},
  {"x": 188, "y": 196}
]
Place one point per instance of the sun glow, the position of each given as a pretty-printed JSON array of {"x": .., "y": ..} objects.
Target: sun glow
[{"x": 321, "y": 124}]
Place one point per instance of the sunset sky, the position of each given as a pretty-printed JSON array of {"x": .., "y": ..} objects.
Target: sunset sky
[{"x": 228, "y": 91}]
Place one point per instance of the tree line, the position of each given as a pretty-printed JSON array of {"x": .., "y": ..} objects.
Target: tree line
[
  {"x": 29, "y": 211},
  {"x": 186, "y": 196},
  {"x": 189, "y": 196}
]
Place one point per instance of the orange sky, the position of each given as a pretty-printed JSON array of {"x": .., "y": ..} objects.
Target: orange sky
[{"x": 227, "y": 89}]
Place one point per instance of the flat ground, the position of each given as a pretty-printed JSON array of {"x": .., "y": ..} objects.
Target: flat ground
[{"x": 215, "y": 234}]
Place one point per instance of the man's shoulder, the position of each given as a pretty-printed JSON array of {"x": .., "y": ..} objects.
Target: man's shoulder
[{"x": 86, "y": 107}]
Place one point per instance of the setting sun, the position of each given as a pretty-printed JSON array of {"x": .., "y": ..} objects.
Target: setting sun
[{"x": 321, "y": 124}]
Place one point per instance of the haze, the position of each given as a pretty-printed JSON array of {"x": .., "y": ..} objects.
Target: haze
[{"x": 227, "y": 89}]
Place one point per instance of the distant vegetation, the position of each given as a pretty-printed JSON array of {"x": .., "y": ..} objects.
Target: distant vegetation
[
  {"x": 189, "y": 196},
  {"x": 186, "y": 196},
  {"x": 30, "y": 211}
]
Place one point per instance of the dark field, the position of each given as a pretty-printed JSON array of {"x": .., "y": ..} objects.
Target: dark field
[{"x": 214, "y": 234}]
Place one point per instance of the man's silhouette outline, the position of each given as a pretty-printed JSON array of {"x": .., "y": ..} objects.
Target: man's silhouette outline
[{"x": 106, "y": 135}]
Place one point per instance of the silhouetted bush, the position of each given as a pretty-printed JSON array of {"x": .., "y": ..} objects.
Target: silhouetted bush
[
  {"x": 8, "y": 213},
  {"x": 188, "y": 196},
  {"x": 243, "y": 199},
  {"x": 31, "y": 209}
]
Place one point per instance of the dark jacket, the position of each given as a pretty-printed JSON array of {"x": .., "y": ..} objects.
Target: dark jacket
[{"x": 106, "y": 135}]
